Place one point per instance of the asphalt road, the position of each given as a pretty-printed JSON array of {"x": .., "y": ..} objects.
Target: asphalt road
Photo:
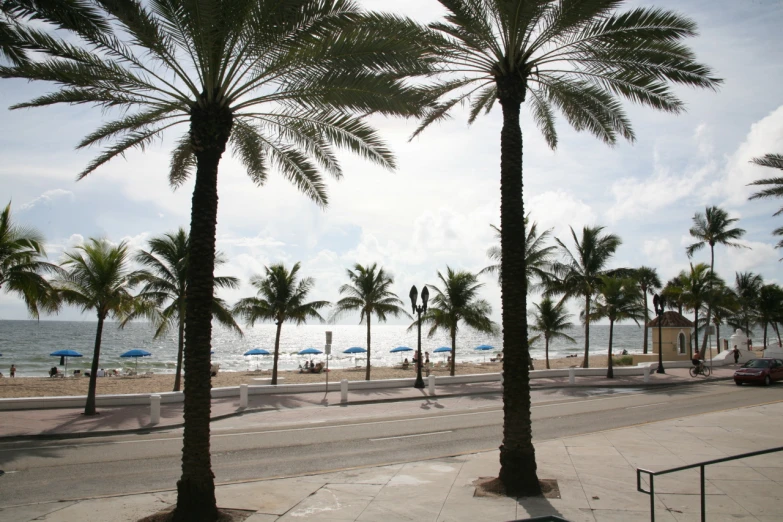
[{"x": 309, "y": 440}]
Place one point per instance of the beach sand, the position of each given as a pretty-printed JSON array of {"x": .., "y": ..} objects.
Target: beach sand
[{"x": 56, "y": 387}]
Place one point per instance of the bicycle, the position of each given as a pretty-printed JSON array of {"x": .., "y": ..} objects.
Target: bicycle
[{"x": 700, "y": 370}]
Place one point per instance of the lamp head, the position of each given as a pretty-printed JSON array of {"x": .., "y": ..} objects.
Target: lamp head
[
  {"x": 425, "y": 295},
  {"x": 414, "y": 294}
]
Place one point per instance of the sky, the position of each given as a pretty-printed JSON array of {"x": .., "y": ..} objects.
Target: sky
[{"x": 435, "y": 210}]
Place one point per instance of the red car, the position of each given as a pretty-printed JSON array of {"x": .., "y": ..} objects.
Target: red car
[{"x": 761, "y": 370}]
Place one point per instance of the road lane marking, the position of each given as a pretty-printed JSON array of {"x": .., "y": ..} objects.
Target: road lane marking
[
  {"x": 415, "y": 435},
  {"x": 645, "y": 405}
]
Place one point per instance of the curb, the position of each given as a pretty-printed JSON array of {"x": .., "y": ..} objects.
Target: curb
[{"x": 151, "y": 429}]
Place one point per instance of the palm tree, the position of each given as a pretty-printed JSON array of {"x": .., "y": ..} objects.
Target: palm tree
[
  {"x": 618, "y": 299},
  {"x": 551, "y": 320},
  {"x": 165, "y": 280},
  {"x": 72, "y": 14},
  {"x": 368, "y": 293},
  {"x": 775, "y": 189},
  {"x": 21, "y": 265},
  {"x": 280, "y": 298},
  {"x": 458, "y": 301},
  {"x": 747, "y": 285},
  {"x": 713, "y": 228},
  {"x": 672, "y": 291},
  {"x": 284, "y": 84},
  {"x": 576, "y": 57},
  {"x": 724, "y": 304},
  {"x": 98, "y": 277},
  {"x": 580, "y": 274},
  {"x": 538, "y": 257},
  {"x": 695, "y": 291},
  {"x": 770, "y": 307},
  {"x": 649, "y": 282}
]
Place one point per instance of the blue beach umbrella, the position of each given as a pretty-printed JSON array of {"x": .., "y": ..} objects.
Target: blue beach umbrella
[
  {"x": 401, "y": 349},
  {"x": 256, "y": 351},
  {"x": 442, "y": 349},
  {"x": 484, "y": 348},
  {"x": 310, "y": 351},
  {"x": 135, "y": 354},
  {"x": 355, "y": 349},
  {"x": 64, "y": 354}
]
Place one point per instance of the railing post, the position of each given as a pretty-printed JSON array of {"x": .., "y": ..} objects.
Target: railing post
[
  {"x": 431, "y": 383},
  {"x": 652, "y": 497},
  {"x": 571, "y": 375},
  {"x": 344, "y": 390},
  {"x": 243, "y": 395},
  {"x": 154, "y": 409},
  {"x": 703, "y": 500}
]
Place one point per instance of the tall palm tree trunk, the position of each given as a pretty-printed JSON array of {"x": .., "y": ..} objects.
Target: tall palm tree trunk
[
  {"x": 696, "y": 332},
  {"x": 764, "y": 345},
  {"x": 180, "y": 346},
  {"x": 209, "y": 132},
  {"x": 586, "y": 362},
  {"x": 453, "y": 352},
  {"x": 546, "y": 350},
  {"x": 517, "y": 455},
  {"x": 367, "y": 372},
  {"x": 646, "y": 320},
  {"x": 279, "y": 323},
  {"x": 609, "y": 362},
  {"x": 709, "y": 304},
  {"x": 89, "y": 407},
  {"x": 717, "y": 335}
]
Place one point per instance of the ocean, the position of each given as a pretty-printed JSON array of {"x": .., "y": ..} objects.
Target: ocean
[{"x": 27, "y": 344}]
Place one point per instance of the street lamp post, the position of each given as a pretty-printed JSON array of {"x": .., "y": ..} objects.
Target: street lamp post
[
  {"x": 420, "y": 309},
  {"x": 658, "y": 304}
]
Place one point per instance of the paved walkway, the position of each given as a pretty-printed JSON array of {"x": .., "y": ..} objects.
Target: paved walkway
[
  {"x": 595, "y": 475},
  {"x": 69, "y": 422}
]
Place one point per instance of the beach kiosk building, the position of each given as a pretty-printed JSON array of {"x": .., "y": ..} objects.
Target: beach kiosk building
[{"x": 675, "y": 336}]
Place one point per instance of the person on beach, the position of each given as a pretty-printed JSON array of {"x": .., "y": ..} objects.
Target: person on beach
[
  {"x": 736, "y": 354},
  {"x": 13, "y": 370},
  {"x": 427, "y": 363}
]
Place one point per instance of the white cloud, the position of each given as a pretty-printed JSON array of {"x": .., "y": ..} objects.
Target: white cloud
[
  {"x": 765, "y": 136},
  {"x": 558, "y": 209},
  {"x": 47, "y": 198}
]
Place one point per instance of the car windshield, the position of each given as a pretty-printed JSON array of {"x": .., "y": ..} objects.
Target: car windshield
[{"x": 757, "y": 363}]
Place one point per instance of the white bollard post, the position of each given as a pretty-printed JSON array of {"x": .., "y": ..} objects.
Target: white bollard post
[
  {"x": 154, "y": 409},
  {"x": 344, "y": 390},
  {"x": 243, "y": 395},
  {"x": 431, "y": 384},
  {"x": 647, "y": 372},
  {"x": 571, "y": 375}
]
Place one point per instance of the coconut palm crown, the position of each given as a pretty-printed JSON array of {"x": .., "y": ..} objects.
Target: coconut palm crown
[
  {"x": 284, "y": 85},
  {"x": 538, "y": 255},
  {"x": 22, "y": 265},
  {"x": 774, "y": 186},
  {"x": 369, "y": 293},
  {"x": 574, "y": 57},
  {"x": 164, "y": 276},
  {"x": 456, "y": 301}
]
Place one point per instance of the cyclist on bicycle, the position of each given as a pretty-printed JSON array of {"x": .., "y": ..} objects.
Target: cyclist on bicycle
[{"x": 697, "y": 362}]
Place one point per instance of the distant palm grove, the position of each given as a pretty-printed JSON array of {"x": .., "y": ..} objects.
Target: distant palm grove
[{"x": 286, "y": 87}]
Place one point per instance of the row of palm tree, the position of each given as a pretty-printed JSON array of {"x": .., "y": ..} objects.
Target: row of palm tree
[{"x": 283, "y": 83}]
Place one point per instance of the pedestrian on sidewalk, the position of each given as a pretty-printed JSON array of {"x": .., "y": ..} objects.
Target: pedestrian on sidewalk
[
  {"x": 13, "y": 370},
  {"x": 736, "y": 354}
]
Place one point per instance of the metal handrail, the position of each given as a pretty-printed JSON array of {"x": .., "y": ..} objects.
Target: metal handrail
[{"x": 700, "y": 465}]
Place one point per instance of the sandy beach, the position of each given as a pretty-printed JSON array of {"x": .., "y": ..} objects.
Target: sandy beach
[{"x": 55, "y": 387}]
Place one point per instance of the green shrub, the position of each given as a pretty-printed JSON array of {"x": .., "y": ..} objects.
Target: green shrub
[{"x": 624, "y": 360}]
